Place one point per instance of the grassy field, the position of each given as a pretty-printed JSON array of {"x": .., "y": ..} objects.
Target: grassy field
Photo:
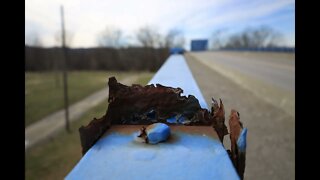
[
  {"x": 54, "y": 159},
  {"x": 44, "y": 91}
]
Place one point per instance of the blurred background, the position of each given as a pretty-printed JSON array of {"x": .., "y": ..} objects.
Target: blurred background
[{"x": 240, "y": 51}]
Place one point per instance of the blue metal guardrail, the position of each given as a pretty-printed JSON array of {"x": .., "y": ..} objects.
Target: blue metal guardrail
[
  {"x": 176, "y": 73},
  {"x": 176, "y": 50},
  {"x": 190, "y": 156}
]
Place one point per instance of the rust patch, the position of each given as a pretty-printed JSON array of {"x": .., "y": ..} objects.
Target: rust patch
[
  {"x": 218, "y": 114},
  {"x": 143, "y": 134},
  {"x": 132, "y": 105},
  {"x": 92, "y": 132},
  {"x": 144, "y": 105},
  {"x": 237, "y": 157}
]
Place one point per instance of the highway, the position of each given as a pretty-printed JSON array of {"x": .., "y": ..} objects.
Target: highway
[
  {"x": 270, "y": 76},
  {"x": 260, "y": 86},
  {"x": 273, "y": 68}
]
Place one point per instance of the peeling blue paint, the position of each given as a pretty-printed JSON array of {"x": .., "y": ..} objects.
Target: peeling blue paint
[
  {"x": 178, "y": 119},
  {"x": 242, "y": 140},
  {"x": 157, "y": 132},
  {"x": 172, "y": 120}
]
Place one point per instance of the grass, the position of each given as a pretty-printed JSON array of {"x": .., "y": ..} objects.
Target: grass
[
  {"x": 55, "y": 158},
  {"x": 44, "y": 91}
]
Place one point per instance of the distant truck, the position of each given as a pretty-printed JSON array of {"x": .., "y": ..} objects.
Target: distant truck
[{"x": 199, "y": 45}]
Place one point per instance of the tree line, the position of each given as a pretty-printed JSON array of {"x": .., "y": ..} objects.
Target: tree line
[
  {"x": 149, "y": 37},
  {"x": 103, "y": 58},
  {"x": 146, "y": 36},
  {"x": 261, "y": 37}
]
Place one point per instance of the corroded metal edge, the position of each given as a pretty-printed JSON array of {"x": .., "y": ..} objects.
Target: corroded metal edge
[
  {"x": 238, "y": 149},
  {"x": 131, "y": 105}
]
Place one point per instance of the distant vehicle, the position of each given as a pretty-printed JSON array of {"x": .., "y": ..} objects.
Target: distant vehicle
[
  {"x": 199, "y": 45},
  {"x": 177, "y": 50}
]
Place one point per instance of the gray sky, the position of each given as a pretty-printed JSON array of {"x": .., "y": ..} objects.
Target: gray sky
[{"x": 85, "y": 19}]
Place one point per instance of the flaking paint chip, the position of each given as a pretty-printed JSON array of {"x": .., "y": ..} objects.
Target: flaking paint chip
[{"x": 155, "y": 133}]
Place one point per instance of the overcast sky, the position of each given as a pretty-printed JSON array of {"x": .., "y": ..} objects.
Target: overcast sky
[{"x": 85, "y": 19}]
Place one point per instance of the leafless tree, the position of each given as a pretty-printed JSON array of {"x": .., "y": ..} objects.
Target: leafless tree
[
  {"x": 110, "y": 37},
  {"x": 263, "y": 36},
  {"x": 174, "y": 38},
  {"x": 32, "y": 39},
  {"x": 218, "y": 39},
  {"x": 149, "y": 37}
]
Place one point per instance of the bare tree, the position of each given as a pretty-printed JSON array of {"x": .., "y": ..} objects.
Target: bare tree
[
  {"x": 263, "y": 36},
  {"x": 32, "y": 39},
  {"x": 174, "y": 38},
  {"x": 218, "y": 39},
  {"x": 235, "y": 41},
  {"x": 266, "y": 37},
  {"x": 149, "y": 37},
  {"x": 110, "y": 37}
]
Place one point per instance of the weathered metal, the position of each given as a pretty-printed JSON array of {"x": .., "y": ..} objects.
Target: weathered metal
[
  {"x": 91, "y": 133},
  {"x": 218, "y": 115},
  {"x": 145, "y": 105},
  {"x": 133, "y": 107},
  {"x": 154, "y": 133},
  {"x": 131, "y": 104},
  {"x": 238, "y": 142},
  {"x": 191, "y": 152}
]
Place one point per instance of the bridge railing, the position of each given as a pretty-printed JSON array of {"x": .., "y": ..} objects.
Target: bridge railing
[{"x": 174, "y": 73}]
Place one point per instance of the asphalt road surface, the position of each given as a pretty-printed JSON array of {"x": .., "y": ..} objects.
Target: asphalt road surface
[
  {"x": 264, "y": 99},
  {"x": 273, "y": 68},
  {"x": 270, "y": 76}
]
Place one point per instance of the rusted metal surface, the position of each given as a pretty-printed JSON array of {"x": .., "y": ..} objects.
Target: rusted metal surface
[
  {"x": 193, "y": 130},
  {"x": 218, "y": 115},
  {"x": 238, "y": 154},
  {"x": 131, "y": 105},
  {"x": 145, "y": 105},
  {"x": 92, "y": 132}
]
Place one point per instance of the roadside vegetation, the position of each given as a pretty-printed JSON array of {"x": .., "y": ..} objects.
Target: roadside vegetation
[
  {"x": 44, "y": 90},
  {"x": 55, "y": 158}
]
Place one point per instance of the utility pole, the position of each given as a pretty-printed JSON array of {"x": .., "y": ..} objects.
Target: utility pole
[{"x": 65, "y": 69}]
